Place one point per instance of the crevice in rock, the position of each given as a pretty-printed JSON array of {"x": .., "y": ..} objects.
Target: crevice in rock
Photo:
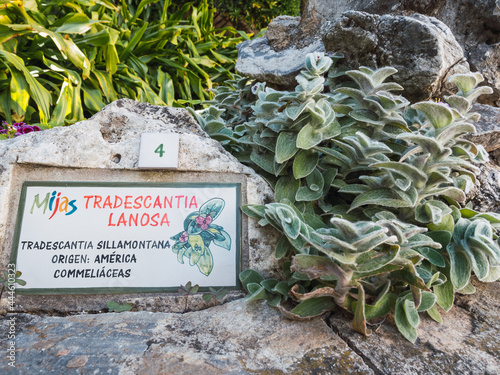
[
  {"x": 353, "y": 347},
  {"x": 445, "y": 76},
  {"x": 151, "y": 342}
]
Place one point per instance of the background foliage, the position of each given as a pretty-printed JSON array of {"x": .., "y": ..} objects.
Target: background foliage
[
  {"x": 370, "y": 192},
  {"x": 255, "y": 14},
  {"x": 61, "y": 62}
]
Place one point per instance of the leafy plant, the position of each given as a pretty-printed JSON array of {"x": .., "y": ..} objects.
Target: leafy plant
[
  {"x": 116, "y": 307},
  {"x": 8, "y": 279},
  {"x": 256, "y": 14},
  {"x": 214, "y": 295},
  {"x": 63, "y": 61},
  {"x": 186, "y": 291},
  {"x": 370, "y": 192}
]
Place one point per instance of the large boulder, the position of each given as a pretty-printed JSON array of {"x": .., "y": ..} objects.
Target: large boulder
[
  {"x": 472, "y": 21},
  {"x": 422, "y": 49},
  {"x": 277, "y": 57}
]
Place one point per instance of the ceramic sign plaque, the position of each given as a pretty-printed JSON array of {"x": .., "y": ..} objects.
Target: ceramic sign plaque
[
  {"x": 84, "y": 237},
  {"x": 159, "y": 150}
]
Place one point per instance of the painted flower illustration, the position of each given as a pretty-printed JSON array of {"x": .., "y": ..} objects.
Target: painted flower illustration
[
  {"x": 199, "y": 233},
  {"x": 184, "y": 237},
  {"x": 203, "y": 222}
]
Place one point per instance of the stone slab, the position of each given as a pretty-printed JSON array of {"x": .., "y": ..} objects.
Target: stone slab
[
  {"x": 242, "y": 337},
  {"x": 468, "y": 341},
  {"x": 235, "y": 338}
]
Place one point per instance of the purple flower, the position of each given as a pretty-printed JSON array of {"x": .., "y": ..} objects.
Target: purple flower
[
  {"x": 19, "y": 127},
  {"x": 26, "y": 129},
  {"x": 203, "y": 222},
  {"x": 184, "y": 237}
]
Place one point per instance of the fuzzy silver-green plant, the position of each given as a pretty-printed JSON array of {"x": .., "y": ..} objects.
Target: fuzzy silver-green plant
[{"x": 369, "y": 191}]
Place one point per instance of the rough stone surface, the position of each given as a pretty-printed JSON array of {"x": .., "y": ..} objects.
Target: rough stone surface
[
  {"x": 235, "y": 338},
  {"x": 474, "y": 24},
  {"x": 485, "y": 196},
  {"x": 422, "y": 49},
  {"x": 106, "y": 148},
  {"x": 282, "y": 31},
  {"x": 472, "y": 21},
  {"x": 248, "y": 338},
  {"x": 487, "y": 128},
  {"x": 258, "y": 60},
  {"x": 485, "y": 58},
  {"x": 466, "y": 343}
]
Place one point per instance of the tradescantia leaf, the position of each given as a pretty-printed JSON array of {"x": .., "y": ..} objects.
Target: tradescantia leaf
[
  {"x": 432, "y": 256},
  {"x": 283, "y": 247},
  {"x": 285, "y": 146},
  {"x": 305, "y": 163},
  {"x": 256, "y": 292},
  {"x": 380, "y": 196},
  {"x": 402, "y": 323},
  {"x": 359, "y": 321},
  {"x": 381, "y": 308},
  {"x": 434, "y": 314},
  {"x": 406, "y": 170},
  {"x": 438, "y": 114},
  {"x": 432, "y": 212},
  {"x": 466, "y": 82},
  {"x": 373, "y": 261},
  {"x": 445, "y": 292},
  {"x": 460, "y": 266},
  {"x": 286, "y": 188},
  {"x": 428, "y": 301},
  {"x": 250, "y": 276},
  {"x": 312, "y": 307},
  {"x": 411, "y": 313}
]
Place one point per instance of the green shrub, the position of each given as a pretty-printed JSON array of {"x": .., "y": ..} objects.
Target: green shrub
[
  {"x": 61, "y": 62},
  {"x": 370, "y": 192},
  {"x": 255, "y": 14}
]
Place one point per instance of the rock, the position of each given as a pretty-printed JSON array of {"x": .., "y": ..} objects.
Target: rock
[
  {"x": 475, "y": 26},
  {"x": 259, "y": 61},
  {"x": 422, "y": 49},
  {"x": 235, "y": 338},
  {"x": 106, "y": 148},
  {"x": 281, "y": 32},
  {"x": 471, "y": 21},
  {"x": 247, "y": 338},
  {"x": 485, "y": 58},
  {"x": 466, "y": 343},
  {"x": 487, "y": 128},
  {"x": 485, "y": 196}
]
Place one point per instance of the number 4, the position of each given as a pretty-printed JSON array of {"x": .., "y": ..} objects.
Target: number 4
[{"x": 159, "y": 150}]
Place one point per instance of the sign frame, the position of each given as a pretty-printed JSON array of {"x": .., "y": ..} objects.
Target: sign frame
[{"x": 123, "y": 289}]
